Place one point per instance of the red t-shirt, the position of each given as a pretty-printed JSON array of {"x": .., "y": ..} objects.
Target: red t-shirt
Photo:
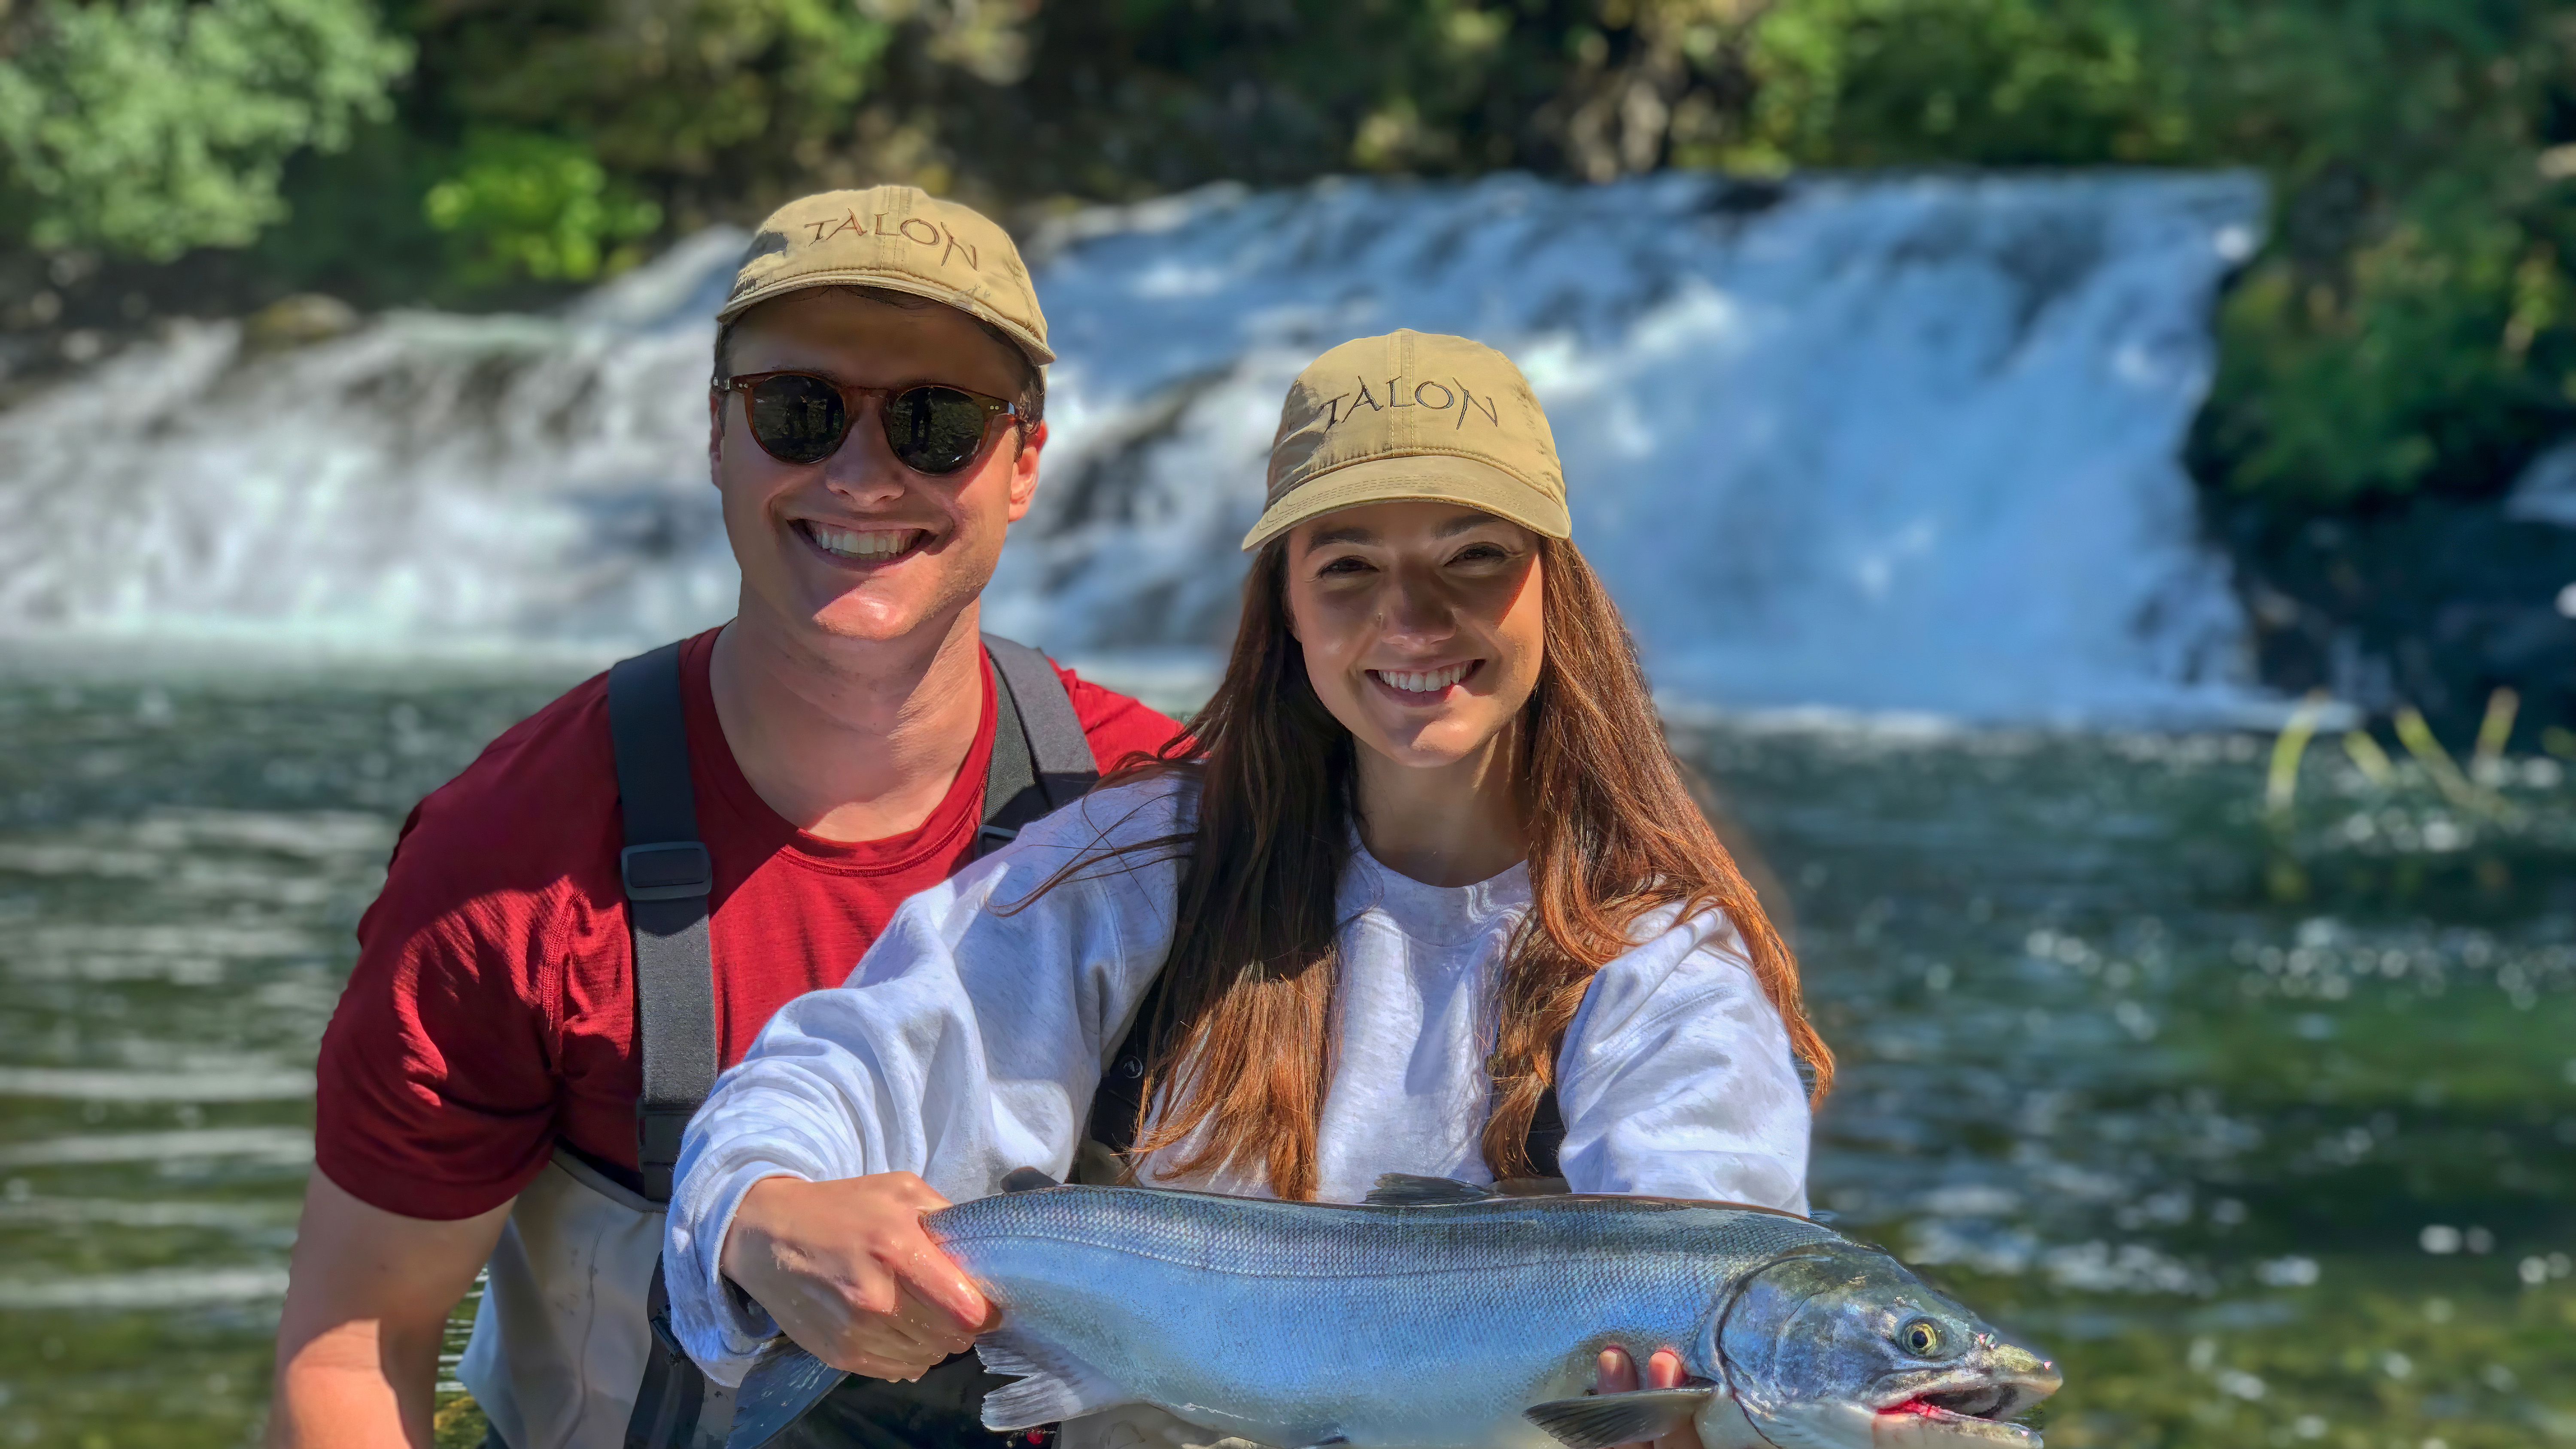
[{"x": 492, "y": 1010}]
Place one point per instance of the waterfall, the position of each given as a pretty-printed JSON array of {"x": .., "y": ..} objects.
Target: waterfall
[{"x": 1880, "y": 443}]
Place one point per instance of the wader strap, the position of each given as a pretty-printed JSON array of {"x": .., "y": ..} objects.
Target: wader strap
[
  {"x": 668, "y": 876},
  {"x": 674, "y": 1388},
  {"x": 1042, "y": 761},
  {"x": 1546, "y": 1135},
  {"x": 1118, "y": 1103}
]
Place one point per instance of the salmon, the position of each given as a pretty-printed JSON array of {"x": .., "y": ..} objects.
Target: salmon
[{"x": 1444, "y": 1315}]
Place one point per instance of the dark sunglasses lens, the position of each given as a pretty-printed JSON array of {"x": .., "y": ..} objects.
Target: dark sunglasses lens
[
  {"x": 935, "y": 429},
  {"x": 798, "y": 419}
]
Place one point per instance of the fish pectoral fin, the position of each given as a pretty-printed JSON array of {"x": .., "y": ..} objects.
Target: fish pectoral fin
[
  {"x": 1601, "y": 1420},
  {"x": 1049, "y": 1383},
  {"x": 781, "y": 1385},
  {"x": 1027, "y": 1179},
  {"x": 1403, "y": 1189}
]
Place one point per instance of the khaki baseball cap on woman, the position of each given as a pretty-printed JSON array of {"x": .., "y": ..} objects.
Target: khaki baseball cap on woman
[
  {"x": 1413, "y": 416},
  {"x": 900, "y": 238}
]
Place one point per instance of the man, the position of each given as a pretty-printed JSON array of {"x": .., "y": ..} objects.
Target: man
[{"x": 875, "y": 424}]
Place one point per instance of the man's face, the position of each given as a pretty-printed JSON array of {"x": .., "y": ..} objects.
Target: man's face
[{"x": 859, "y": 546}]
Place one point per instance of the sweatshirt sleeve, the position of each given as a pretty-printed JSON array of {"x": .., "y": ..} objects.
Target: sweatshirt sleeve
[
  {"x": 1676, "y": 1077},
  {"x": 967, "y": 1043}
]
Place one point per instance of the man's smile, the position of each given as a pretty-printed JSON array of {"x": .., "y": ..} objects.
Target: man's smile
[{"x": 861, "y": 545}]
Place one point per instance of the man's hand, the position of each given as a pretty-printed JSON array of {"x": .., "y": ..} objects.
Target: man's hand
[
  {"x": 367, "y": 1300},
  {"x": 850, "y": 1274},
  {"x": 1617, "y": 1374}
]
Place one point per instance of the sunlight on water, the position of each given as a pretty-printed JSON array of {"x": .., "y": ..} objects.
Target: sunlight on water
[{"x": 2263, "y": 1123}]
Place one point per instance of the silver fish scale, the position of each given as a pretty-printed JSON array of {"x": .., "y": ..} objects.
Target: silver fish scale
[{"x": 1387, "y": 1326}]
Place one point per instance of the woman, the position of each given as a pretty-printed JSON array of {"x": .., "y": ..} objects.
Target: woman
[{"x": 1435, "y": 877}]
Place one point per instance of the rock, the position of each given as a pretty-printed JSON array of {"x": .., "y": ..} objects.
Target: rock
[
  {"x": 2429, "y": 601},
  {"x": 2546, "y": 491},
  {"x": 299, "y": 321}
]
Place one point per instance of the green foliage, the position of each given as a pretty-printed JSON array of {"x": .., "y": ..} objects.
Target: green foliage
[
  {"x": 712, "y": 105},
  {"x": 154, "y": 126},
  {"x": 2408, "y": 372},
  {"x": 1126, "y": 97},
  {"x": 542, "y": 206},
  {"x": 542, "y": 140},
  {"x": 2406, "y": 329}
]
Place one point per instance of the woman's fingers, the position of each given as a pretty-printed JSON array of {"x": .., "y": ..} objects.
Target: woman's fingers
[
  {"x": 1664, "y": 1370},
  {"x": 932, "y": 1281},
  {"x": 908, "y": 1335},
  {"x": 1616, "y": 1373},
  {"x": 822, "y": 1319}
]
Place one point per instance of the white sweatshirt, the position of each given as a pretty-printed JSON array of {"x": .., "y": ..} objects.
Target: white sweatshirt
[{"x": 968, "y": 1043}]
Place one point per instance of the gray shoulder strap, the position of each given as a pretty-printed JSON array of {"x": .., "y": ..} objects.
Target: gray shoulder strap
[
  {"x": 668, "y": 876},
  {"x": 1042, "y": 760}
]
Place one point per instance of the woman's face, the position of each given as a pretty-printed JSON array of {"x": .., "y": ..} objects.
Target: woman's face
[{"x": 1420, "y": 623}]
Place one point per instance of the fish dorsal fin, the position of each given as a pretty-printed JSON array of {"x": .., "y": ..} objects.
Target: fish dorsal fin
[
  {"x": 1403, "y": 1189},
  {"x": 1602, "y": 1420},
  {"x": 1027, "y": 1179}
]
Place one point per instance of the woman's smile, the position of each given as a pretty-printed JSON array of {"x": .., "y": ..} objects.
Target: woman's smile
[{"x": 1424, "y": 685}]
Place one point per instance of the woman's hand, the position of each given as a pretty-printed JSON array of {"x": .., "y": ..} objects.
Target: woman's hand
[
  {"x": 1618, "y": 1375},
  {"x": 851, "y": 1275}
]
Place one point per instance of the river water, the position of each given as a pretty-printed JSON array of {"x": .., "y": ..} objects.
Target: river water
[{"x": 2263, "y": 1121}]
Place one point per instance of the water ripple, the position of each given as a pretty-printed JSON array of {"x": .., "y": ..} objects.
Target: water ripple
[
  {"x": 157, "y": 1288},
  {"x": 286, "y": 1146}
]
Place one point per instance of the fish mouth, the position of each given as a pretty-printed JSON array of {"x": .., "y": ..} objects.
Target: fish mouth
[
  {"x": 1981, "y": 1412},
  {"x": 1921, "y": 1419},
  {"x": 1988, "y": 1402}
]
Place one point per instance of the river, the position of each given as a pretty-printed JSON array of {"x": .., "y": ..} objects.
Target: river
[{"x": 2263, "y": 1121}]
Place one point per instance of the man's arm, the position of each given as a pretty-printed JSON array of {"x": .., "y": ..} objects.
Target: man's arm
[{"x": 366, "y": 1310}]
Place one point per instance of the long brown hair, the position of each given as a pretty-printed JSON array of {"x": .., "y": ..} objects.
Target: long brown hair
[{"x": 1242, "y": 1032}]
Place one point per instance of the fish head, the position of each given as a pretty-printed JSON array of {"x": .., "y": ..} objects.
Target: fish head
[{"x": 1842, "y": 1348}]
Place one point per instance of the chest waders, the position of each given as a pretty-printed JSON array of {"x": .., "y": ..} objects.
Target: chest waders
[{"x": 1041, "y": 761}]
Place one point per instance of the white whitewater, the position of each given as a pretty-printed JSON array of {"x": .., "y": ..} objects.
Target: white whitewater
[{"x": 1874, "y": 444}]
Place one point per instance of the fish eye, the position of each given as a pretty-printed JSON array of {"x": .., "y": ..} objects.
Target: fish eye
[{"x": 1922, "y": 1338}]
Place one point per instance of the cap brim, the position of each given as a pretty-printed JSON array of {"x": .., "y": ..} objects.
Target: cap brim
[
  {"x": 1416, "y": 478},
  {"x": 893, "y": 282}
]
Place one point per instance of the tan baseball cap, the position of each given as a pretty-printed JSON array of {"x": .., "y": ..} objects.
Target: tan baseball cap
[
  {"x": 1413, "y": 416},
  {"x": 900, "y": 238}
]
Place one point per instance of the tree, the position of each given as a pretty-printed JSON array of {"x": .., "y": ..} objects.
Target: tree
[{"x": 150, "y": 127}]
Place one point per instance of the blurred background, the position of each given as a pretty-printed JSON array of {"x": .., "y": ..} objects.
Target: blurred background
[{"x": 2094, "y": 481}]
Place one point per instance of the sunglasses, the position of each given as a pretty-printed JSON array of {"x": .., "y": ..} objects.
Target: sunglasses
[{"x": 798, "y": 417}]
